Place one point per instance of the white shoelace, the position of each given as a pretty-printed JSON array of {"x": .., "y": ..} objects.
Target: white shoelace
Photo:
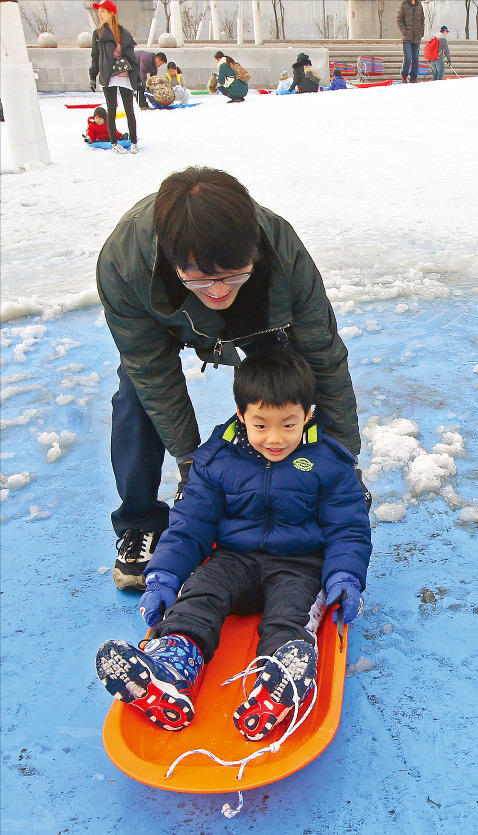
[{"x": 273, "y": 748}]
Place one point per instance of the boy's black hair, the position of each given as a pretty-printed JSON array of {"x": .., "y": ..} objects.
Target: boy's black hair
[
  {"x": 274, "y": 378},
  {"x": 101, "y": 112},
  {"x": 207, "y": 215}
]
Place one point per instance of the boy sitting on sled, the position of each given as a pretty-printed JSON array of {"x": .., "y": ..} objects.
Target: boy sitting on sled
[{"x": 284, "y": 506}]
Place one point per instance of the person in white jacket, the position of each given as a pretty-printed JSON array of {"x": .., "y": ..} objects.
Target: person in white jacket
[{"x": 438, "y": 66}]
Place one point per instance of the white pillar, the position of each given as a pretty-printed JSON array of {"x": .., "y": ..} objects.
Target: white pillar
[
  {"x": 23, "y": 120},
  {"x": 215, "y": 21},
  {"x": 176, "y": 26},
  {"x": 240, "y": 25},
  {"x": 256, "y": 18},
  {"x": 200, "y": 28},
  {"x": 154, "y": 26}
]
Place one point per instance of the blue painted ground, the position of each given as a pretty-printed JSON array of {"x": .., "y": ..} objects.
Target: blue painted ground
[{"x": 403, "y": 758}]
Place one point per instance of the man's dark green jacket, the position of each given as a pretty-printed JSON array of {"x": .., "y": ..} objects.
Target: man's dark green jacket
[{"x": 150, "y": 333}]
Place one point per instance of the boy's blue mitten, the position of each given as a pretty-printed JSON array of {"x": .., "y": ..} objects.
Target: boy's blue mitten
[
  {"x": 352, "y": 605},
  {"x": 161, "y": 591}
]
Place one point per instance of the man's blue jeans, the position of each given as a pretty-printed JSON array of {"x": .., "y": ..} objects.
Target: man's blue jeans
[
  {"x": 137, "y": 454},
  {"x": 411, "y": 52},
  {"x": 438, "y": 69}
]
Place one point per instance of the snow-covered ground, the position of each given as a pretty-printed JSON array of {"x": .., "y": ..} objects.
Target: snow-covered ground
[{"x": 382, "y": 187}]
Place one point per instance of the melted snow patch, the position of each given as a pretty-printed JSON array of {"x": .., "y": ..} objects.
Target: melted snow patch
[
  {"x": 29, "y": 335},
  {"x": 427, "y": 472},
  {"x": 36, "y": 513},
  {"x": 391, "y": 512},
  {"x": 393, "y": 445},
  {"x": 349, "y": 333},
  {"x": 57, "y": 444},
  {"x": 469, "y": 514},
  {"x": 16, "y": 481},
  {"x": 88, "y": 380},
  {"x": 64, "y": 345},
  {"x": 19, "y": 420}
]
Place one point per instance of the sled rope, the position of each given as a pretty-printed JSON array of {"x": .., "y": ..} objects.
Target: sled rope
[{"x": 273, "y": 748}]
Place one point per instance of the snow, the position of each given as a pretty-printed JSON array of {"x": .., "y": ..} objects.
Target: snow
[{"x": 385, "y": 201}]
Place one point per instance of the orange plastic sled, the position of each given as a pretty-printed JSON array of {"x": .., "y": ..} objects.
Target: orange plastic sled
[{"x": 145, "y": 753}]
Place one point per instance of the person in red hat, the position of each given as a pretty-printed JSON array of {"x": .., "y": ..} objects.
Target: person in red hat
[{"x": 114, "y": 60}]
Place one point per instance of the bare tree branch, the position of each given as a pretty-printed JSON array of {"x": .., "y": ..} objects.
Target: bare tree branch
[{"x": 37, "y": 18}]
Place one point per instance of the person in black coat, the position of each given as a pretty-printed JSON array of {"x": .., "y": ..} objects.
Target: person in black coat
[
  {"x": 300, "y": 80},
  {"x": 110, "y": 43}
]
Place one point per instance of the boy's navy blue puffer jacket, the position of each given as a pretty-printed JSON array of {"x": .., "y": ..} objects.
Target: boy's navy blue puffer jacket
[{"x": 309, "y": 502}]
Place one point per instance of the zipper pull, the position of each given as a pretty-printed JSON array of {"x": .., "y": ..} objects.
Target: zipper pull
[
  {"x": 217, "y": 352},
  {"x": 268, "y": 465}
]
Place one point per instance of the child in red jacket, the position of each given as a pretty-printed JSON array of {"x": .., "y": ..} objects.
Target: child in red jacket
[{"x": 97, "y": 130}]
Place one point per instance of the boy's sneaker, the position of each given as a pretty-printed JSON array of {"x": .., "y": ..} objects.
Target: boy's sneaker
[
  {"x": 272, "y": 697},
  {"x": 134, "y": 148},
  {"x": 135, "y": 549},
  {"x": 118, "y": 149},
  {"x": 160, "y": 680},
  {"x": 404, "y": 79}
]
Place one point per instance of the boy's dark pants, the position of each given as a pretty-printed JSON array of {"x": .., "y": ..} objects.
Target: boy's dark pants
[{"x": 231, "y": 581}]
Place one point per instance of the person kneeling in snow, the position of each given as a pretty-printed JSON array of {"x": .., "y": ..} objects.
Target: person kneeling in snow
[
  {"x": 175, "y": 78},
  {"x": 97, "y": 129},
  {"x": 283, "y": 503}
]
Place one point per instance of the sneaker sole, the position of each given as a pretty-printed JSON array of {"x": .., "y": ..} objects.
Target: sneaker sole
[
  {"x": 258, "y": 712},
  {"x": 129, "y": 680},
  {"x": 128, "y": 581}
]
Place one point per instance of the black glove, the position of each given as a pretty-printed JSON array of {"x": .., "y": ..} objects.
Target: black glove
[
  {"x": 86, "y": 139},
  {"x": 124, "y": 136},
  {"x": 93, "y": 86},
  {"x": 368, "y": 495},
  {"x": 184, "y": 478}
]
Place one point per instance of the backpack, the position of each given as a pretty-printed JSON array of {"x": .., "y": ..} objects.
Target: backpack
[
  {"x": 241, "y": 73},
  {"x": 161, "y": 89},
  {"x": 432, "y": 49},
  {"x": 312, "y": 75}
]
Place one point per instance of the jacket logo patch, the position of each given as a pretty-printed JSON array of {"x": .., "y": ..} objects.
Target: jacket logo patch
[{"x": 303, "y": 464}]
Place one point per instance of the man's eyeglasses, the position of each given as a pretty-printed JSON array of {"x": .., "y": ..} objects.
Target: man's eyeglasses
[{"x": 199, "y": 283}]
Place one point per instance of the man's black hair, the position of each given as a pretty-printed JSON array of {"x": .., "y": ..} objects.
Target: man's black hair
[
  {"x": 161, "y": 56},
  {"x": 206, "y": 220},
  {"x": 274, "y": 378}
]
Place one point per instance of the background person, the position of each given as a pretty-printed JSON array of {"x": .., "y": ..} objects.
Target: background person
[
  {"x": 411, "y": 22},
  {"x": 175, "y": 78},
  {"x": 438, "y": 66},
  {"x": 283, "y": 86},
  {"x": 228, "y": 83},
  {"x": 201, "y": 264},
  {"x": 97, "y": 129},
  {"x": 300, "y": 79},
  {"x": 149, "y": 64},
  {"x": 338, "y": 83},
  {"x": 110, "y": 42}
]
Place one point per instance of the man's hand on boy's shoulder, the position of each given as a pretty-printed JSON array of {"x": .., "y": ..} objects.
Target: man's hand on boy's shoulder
[
  {"x": 352, "y": 603},
  {"x": 161, "y": 591},
  {"x": 367, "y": 493}
]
